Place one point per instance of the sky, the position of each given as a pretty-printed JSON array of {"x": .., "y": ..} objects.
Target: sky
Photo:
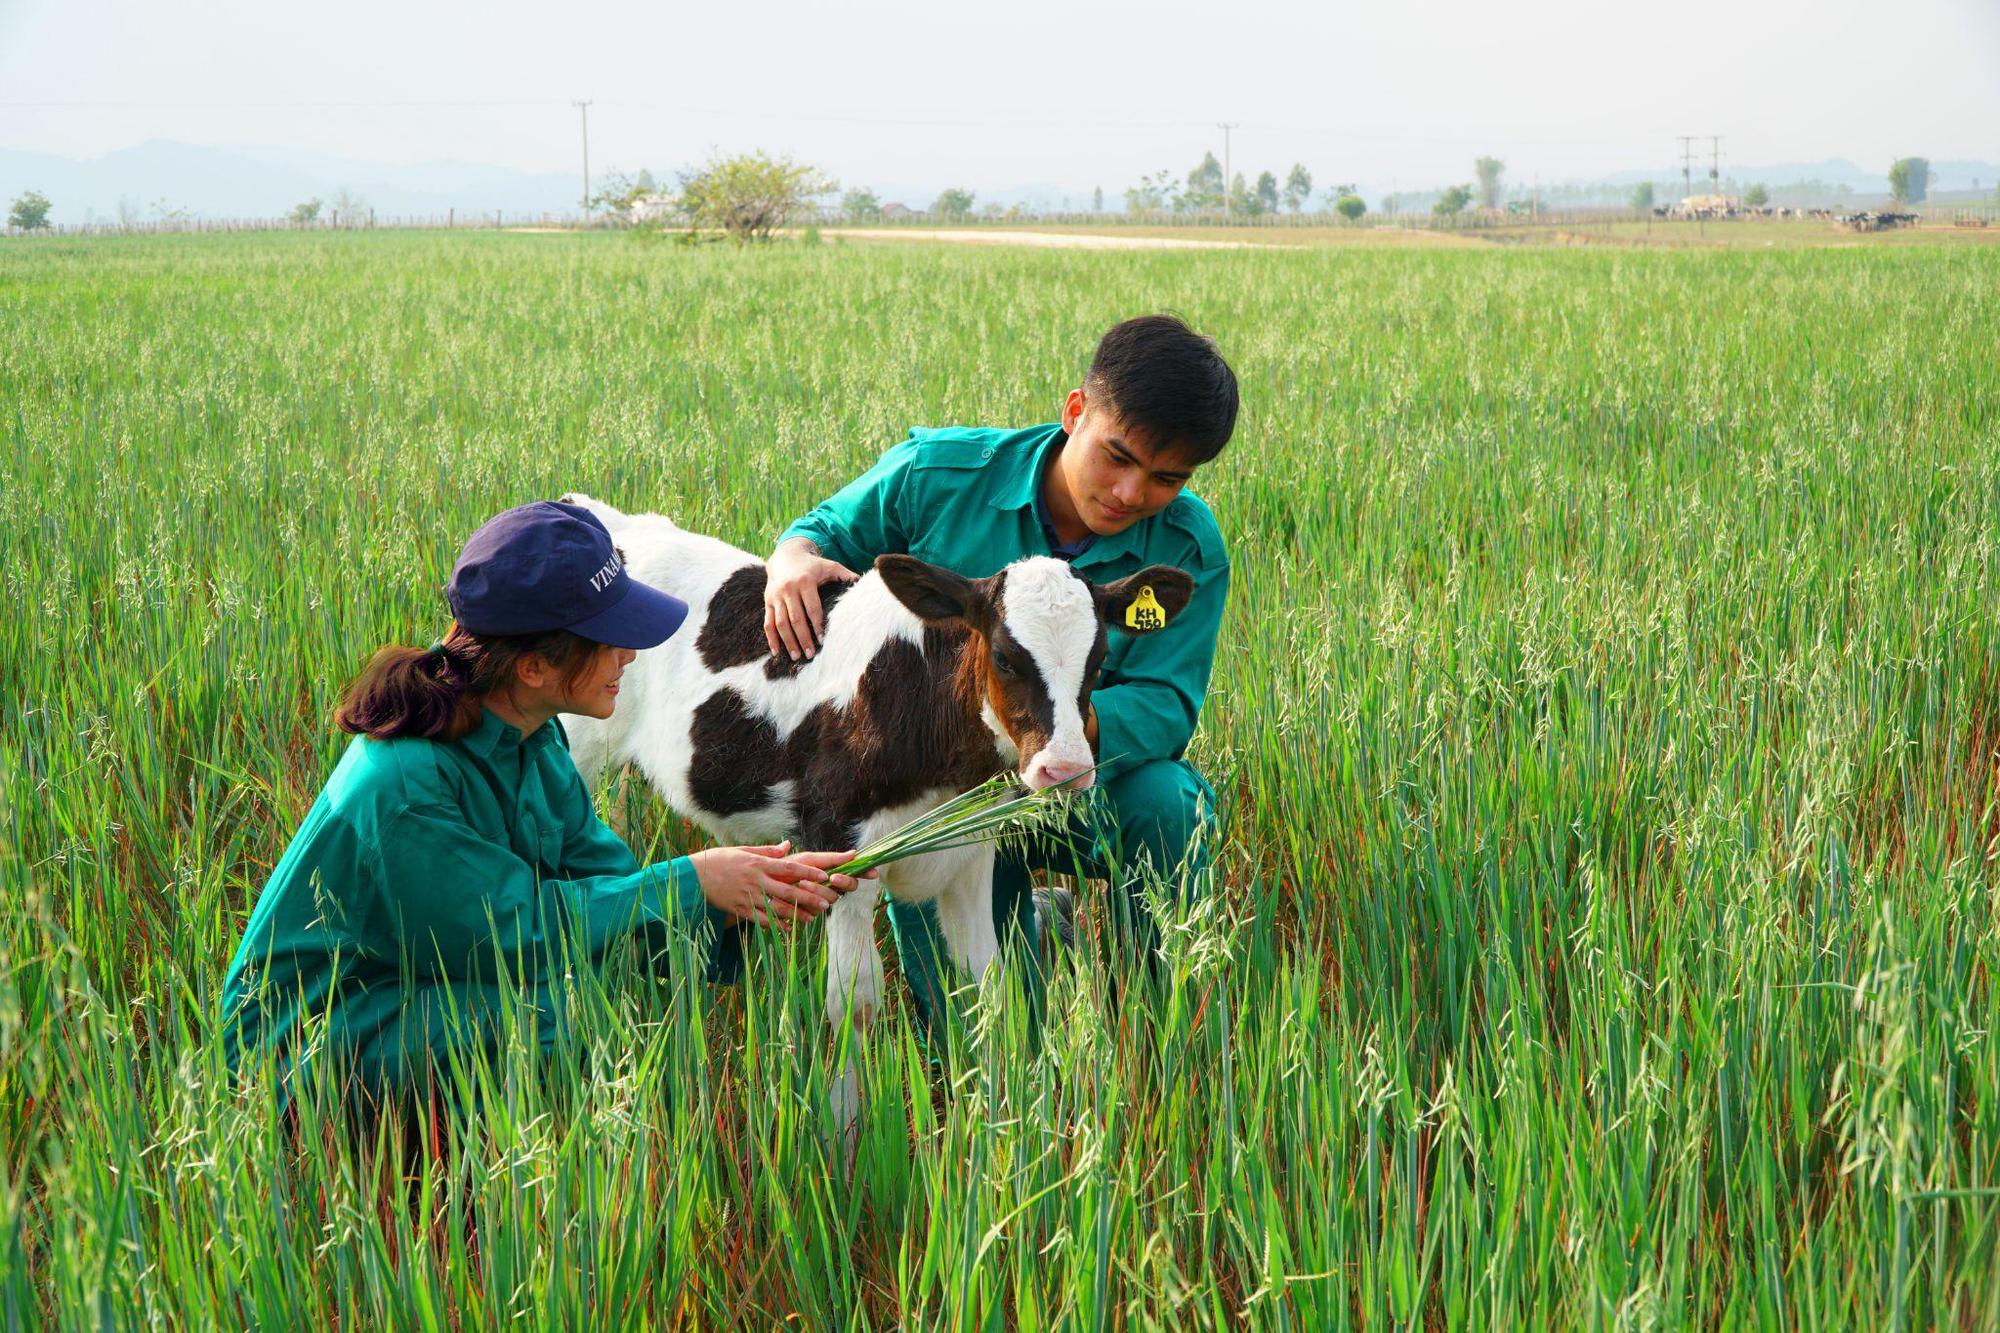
[{"x": 1072, "y": 92}]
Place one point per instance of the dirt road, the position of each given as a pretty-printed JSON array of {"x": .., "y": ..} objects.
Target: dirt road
[{"x": 1061, "y": 240}]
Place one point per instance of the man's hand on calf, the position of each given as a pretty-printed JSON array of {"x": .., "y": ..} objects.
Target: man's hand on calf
[{"x": 794, "y": 620}]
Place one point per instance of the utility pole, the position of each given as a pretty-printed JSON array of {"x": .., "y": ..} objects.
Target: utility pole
[
  {"x": 583, "y": 109},
  {"x": 1228, "y": 204},
  {"x": 1715, "y": 164},
  {"x": 1687, "y": 164}
]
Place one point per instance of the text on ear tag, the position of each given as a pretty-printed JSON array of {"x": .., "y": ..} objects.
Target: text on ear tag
[{"x": 1145, "y": 612}]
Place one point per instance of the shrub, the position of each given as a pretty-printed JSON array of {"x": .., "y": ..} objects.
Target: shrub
[
  {"x": 1453, "y": 201},
  {"x": 30, "y": 211},
  {"x": 751, "y": 195}
]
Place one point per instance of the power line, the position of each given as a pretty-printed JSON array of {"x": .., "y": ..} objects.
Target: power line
[
  {"x": 1687, "y": 163},
  {"x": 583, "y": 108},
  {"x": 1228, "y": 204}
]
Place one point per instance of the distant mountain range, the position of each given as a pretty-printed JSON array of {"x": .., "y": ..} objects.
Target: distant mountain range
[
  {"x": 267, "y": 182},
  {"x": 161, "y": 176}
]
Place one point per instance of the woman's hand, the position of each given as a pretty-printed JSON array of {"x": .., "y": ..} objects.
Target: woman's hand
[
  {"x": 771, "y": 885},
  {"x": 794, "y": 620}
]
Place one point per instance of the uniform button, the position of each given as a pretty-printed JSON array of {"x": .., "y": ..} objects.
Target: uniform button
[{"x": 987, "y": 452}]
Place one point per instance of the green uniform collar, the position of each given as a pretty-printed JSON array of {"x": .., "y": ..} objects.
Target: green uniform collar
[
  {"x": 1022, "y": 470},
  {"x": 1015, "y": 489},
  {"x": 493, "y": 734}
]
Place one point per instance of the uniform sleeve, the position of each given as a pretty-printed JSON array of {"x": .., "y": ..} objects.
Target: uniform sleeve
[
  {"x": 456, "y": 902},
  {"x": 1149, "y": 709},
  {"x": 869, "y": 516}
]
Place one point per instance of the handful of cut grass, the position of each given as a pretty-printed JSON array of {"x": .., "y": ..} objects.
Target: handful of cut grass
[{"x": 996, "y": 808}]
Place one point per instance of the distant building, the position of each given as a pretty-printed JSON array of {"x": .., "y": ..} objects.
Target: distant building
[
  {"x": 898, "y": 211},
  {"x": 1706, "y": 205},
  {"x": 649, "y": 208}
]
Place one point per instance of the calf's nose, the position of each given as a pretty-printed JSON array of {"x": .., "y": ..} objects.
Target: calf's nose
[{"x": 1042, "y": 775}]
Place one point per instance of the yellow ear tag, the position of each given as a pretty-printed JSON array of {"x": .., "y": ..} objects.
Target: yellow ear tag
[{"x": 1145, "y": 613}]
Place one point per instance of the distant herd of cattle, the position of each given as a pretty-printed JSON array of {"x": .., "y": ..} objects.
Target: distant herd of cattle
[{"x": 1719, "y": 211}]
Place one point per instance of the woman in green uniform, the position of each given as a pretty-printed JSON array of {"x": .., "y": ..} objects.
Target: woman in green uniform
[{"x": 453, "y": 867}]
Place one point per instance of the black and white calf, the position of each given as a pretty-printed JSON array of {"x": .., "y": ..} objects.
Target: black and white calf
[{"x": 927, "y": 684}]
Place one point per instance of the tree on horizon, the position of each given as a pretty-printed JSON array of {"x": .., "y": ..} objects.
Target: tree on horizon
[
  {"x": 30, "y": 211},
  {"x": 1453, "y": 201},
  {"x": 1298, "y": 187},
  {"x": 1205, "y": 186},
  {"x": 1267, "y": 192},
  {"x": 749, "y": 196},
  {"x": 1156, "y": 193},
  {"x": 1910, "y": 179},
  {"x": 1489, "y": 170}
]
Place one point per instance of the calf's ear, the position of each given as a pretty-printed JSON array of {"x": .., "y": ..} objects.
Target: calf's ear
[
  {"x": 1146, "y": 601},
  {"x": 931, "y": 592}
]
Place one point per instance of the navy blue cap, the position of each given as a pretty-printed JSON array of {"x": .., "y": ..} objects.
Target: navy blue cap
[{"x": 548, "y": 566}]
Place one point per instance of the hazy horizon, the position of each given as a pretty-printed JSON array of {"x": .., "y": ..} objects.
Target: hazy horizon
[{"x": 902, "y": 92}]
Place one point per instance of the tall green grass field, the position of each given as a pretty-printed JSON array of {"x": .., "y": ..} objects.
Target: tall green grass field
[{"x": 1605, "y": 721}]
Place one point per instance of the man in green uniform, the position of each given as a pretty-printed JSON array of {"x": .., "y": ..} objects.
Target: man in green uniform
[{"x": 1105, "y": 489}]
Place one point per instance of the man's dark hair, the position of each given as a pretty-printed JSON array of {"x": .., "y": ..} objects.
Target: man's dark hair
[{"x": 1161, "y": 377}]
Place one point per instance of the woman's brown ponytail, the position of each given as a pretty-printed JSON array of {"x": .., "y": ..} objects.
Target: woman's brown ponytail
[{"x": 438, "y": 693}]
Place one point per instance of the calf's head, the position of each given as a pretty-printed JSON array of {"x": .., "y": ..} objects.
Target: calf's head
[{"x": 1037, "y": 642}]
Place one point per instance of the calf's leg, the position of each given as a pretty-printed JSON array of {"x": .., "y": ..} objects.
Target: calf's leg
[
  {"x": 853, "y": 964},
  {"x": 965, "y": 916},
  {"x": 853, "y": 990}
]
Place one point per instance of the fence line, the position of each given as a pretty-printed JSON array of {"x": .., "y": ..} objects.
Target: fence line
[
  {"x": 448, "y": 221},
  {"x": 1471, "y": 220},
  {"x": 1316, "y": 220}
]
